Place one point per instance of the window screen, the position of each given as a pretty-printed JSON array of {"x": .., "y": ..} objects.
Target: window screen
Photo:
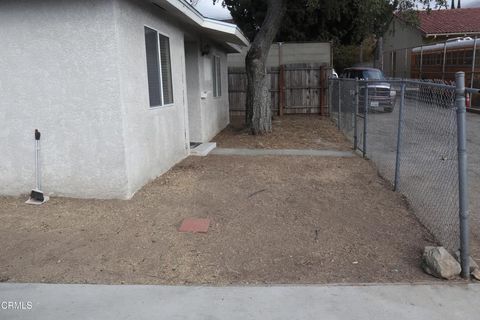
[
  {"x": 166, "y": 69},
  {"x": 217, "y": 77},
  {"x": 153, "y": 66}
]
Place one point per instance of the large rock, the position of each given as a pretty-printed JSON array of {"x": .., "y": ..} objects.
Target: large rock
[
  {"x": 472, "y": 263},
  {"x": 476, "y": 274},
  {"x": 439, "y": 263}
]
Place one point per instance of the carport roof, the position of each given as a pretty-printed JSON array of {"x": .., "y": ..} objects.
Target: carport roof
[{"x": 221, "y": 31}]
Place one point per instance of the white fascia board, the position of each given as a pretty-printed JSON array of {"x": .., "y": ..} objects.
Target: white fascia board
[
  {"x": 438, "y": 46},
  {"x": 453, "y": 34},
  {"x": 230, "y": 30},
  {"x": 235, "y": 47}
]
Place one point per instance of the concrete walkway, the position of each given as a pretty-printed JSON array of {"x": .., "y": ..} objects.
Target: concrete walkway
[
  {"x": 281, "y": 152},
  {"x": 278, "y": 302}
]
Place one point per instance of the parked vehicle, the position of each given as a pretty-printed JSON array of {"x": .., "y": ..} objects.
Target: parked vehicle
[
  {"x": 381, "y": 95},
  {"x": 334, "y": 74}
]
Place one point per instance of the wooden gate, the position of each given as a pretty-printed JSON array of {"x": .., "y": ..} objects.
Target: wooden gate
[{"x": 294, "y": 89}]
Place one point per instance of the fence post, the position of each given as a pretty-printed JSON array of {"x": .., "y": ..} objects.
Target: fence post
[
  {"x": 320, "y": 90},
  {"x": 462, "y": 173},
  {"x": 281, "y": 90},
  {"x": 365, "y": 120},
  {"x": 399, "y": 137},
  {"x": 330, "y": 83},
  {"x": 355, "y": 111},
  {"x": 339, "y": 103}
]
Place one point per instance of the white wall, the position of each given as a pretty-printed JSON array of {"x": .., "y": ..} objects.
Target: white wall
[
  {"x": 76, "y": 70},
  {"x": 192, "y": 58},
  {"x": 208, "y": 115},
  {"x": 215, "y": 110},
  {"x": 155, "y": 138},
  {"x": 58, "y": 73}
]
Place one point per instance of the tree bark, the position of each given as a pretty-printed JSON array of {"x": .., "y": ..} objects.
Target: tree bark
[{"x": 258, "y": 115}]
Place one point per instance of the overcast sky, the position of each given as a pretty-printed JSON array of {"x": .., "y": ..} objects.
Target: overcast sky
[
  {"x": 216, "y": 11},
  {"x": 469, "y": 3}
]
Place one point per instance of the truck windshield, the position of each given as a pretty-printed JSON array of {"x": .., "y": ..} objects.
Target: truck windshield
[{"x": 373, "y": 75}]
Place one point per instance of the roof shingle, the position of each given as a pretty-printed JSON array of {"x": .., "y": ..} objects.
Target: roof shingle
[{"x": 450, "y": 21}]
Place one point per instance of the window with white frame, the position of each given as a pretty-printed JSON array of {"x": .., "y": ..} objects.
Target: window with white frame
[
  {"x": 217, "y": 76},
  {"x": 159, "y": 68}
]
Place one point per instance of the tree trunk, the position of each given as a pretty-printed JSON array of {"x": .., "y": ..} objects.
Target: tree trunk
[{"x": 258, "y": 110}]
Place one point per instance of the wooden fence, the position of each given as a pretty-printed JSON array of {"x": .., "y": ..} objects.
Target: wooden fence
[{"x": 294, "y": 89}]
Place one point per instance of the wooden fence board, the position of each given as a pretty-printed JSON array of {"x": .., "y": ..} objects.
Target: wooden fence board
[{"x": 304, "y": 89}]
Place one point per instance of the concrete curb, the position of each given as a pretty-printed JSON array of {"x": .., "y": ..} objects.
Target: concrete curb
[
  {"x": 60, "y": 301},
  {"x": 282, "y": 152}
]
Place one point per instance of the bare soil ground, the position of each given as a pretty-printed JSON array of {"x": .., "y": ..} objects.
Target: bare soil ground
[
  {"x": 274, "y": 220},
  {"x": 289, "y": 132}
]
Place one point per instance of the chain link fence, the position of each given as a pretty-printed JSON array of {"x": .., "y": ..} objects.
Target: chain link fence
[{"x": 409, "y": 129}]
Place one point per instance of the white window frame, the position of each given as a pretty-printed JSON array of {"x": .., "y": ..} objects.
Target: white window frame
[
  {"x": 162, "y": 105},
  {"x": 217, "y": 78}
]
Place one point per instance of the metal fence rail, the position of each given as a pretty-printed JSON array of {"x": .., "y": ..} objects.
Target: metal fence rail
[{"x": 414, "y": 132}]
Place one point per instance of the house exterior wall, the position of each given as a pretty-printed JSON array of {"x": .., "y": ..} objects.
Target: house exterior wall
[
  {"x": 215, "y": 110},
  {"x": 58, "y": 74},
  {"x": 155, "y": 138},
  {"x": 76, "y": 70},
  {"x": 192, "y": 58},
  {"x": 208, "y": 115},
  {"x": 399, "y": 36}
]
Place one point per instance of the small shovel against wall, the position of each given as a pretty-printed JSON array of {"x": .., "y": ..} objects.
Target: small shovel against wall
[{"x": 36, "y": 195}]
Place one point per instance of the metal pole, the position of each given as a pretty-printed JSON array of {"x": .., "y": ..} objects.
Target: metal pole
[
  {"x": 339, "y": 103},
  {"x": 444, "y": 60},
  {"x": 421, "y": 62},
  {"x": 399, "y": 137},
  {"x": 473, "y": 62},
  {"x": 37, "y": 158},
  {"x": 355, "y": 110},
  {"x": 462, "y": 173},
  {"x": 281, "y": 90},
  {"x": 365, "y": 121}
]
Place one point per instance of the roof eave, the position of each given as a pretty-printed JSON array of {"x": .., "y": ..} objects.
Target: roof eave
[
  {"x": 227, "y": 28},
  {"x": 230, "y": 32},
  {"x": 454, "y": 34}
]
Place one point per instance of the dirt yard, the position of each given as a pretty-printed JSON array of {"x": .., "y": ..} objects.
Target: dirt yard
[
  {"x": 274, "y": 220},
  {"x": 289, "y": 132}
]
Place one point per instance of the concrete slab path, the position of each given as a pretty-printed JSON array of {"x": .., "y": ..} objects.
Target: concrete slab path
[
  {"x": 281, "y": 152},
  {"x": 412, "y": 302}
]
